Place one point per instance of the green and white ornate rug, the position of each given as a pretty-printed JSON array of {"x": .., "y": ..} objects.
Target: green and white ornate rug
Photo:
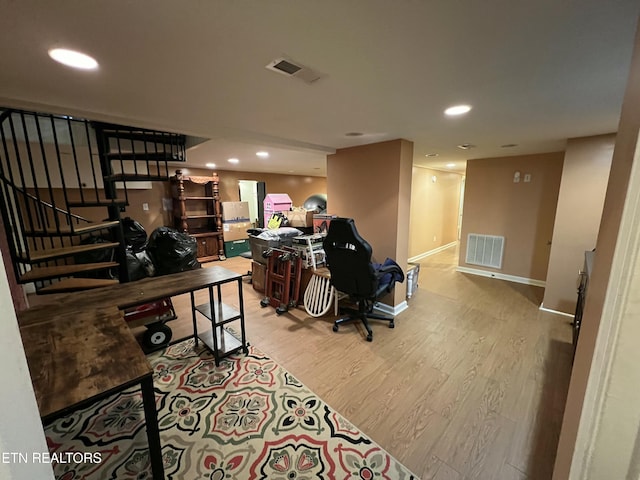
[{"x": 246, "y": 419}]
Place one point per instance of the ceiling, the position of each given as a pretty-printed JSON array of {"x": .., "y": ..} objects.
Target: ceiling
[{"x": 535, "y": 73}]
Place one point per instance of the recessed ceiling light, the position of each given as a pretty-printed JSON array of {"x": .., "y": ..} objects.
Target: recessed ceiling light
[
  {"x": 451, "y": 165},
  {"x": 432, "y": 154},
  {"x": 262, "y": 154},
  {"x": 509, "y": 145},
  {"x": 466, "y": 146},
  {"x": 457, "y": 110},
  {"x": 74, "y": 59},
  {"x": 233, "y": 160},
  {"x": 211, "y": 165},
  {"x": 353, "y": 134},
  {"x": 291, "y": 171}
]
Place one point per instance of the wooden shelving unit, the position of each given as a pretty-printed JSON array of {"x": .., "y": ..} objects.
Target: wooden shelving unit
[{"x": 197, "y": 211}]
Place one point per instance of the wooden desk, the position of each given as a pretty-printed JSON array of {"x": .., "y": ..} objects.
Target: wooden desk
[
  {"x": 78, "y": 359},
  {"x": 79, "y": 348},
  {"x": 125, "y": 295}
]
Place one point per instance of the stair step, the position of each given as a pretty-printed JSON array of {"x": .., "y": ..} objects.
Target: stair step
[
  {"x": 42, "y": 255},
  {"x": 73, "y": 230},
  {"x": 76, "y": 284},
  {"x": 132, "y": 177},
  {"x": 45, "y": 273},
  {"x": 147, "y": 157},
  {"x": 99, "y": 203}
]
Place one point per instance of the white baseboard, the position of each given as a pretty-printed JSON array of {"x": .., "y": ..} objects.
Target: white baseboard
[
  {"x": 389, "y": 310},
  {"x": 502, "y": 276},
  {"x": 556, "y": 312},
  {"x": 432, "y": 252}
]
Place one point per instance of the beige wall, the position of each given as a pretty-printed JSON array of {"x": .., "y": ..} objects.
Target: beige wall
[
  {"x": 17, "y": 292},
  {"x": 150, "y": 219},
  {"x": 298, "y": 187},
  {"x": 20, "y": 424},
  {"x": 372, "y": 185},
  {"x": 521, "y": 212},
  {"x": 618, "y": 413},
  {"x": 587, "y": 162},
  {"x": 434, "y": 210}
]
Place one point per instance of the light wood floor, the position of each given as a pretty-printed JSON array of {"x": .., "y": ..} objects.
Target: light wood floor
[{"x": 471, "y": 384}]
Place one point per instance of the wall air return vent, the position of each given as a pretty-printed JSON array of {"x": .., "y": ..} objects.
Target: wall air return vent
[
  {"x": 291, "y": 68},
  {"x": 485, "y": 250}
]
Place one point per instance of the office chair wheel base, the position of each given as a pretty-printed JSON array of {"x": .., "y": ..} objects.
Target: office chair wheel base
[
  {"x": 392, "y": 325},
  {"x": 370, "y": 337},
  {"x": 157, "y": 336},
  {"x": 335, "y": 328},
  {"x": 281, "y": 310},
  {"x": 264, "y": 302}
]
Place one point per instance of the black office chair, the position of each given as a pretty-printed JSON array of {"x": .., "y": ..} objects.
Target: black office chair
[{"x": 352, "y": 272}]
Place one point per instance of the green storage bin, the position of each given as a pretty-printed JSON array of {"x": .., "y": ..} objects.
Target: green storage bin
[{"x": 236, "y": 247}]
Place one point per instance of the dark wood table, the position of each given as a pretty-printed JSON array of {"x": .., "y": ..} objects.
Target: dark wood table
[
  {"x": 125, "y": 295},
  {"x": 80, "y": 350}
]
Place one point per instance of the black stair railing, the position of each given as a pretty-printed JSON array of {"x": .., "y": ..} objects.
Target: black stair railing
[
  {"x": 52, "y": 164},
  {"x": 130, "y": 154}
]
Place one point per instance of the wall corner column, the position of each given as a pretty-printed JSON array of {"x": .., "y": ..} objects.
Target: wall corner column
[{"x": 372, "y": 184}]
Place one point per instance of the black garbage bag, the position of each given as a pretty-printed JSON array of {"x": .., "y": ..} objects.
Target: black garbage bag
[
  {"x": 172, "y": 251},
  {"x": 147, "y": 263},
  {"x": 135, "y": 267},
  {"x": 135, "y": 236},
  {"x": 94, "y": 256}
]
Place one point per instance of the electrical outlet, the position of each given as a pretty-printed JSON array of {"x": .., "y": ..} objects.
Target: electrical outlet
[
  {"x": 145, "y": 207},
  {"x": 434, "y": 238}
]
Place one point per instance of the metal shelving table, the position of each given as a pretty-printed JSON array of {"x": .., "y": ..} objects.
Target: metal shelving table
[{"x": 217, "y": 339}]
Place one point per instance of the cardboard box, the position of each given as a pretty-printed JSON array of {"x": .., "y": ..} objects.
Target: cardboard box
[
  {"x": 306, "y": 256},
  {"x": 235, "y": 211},
  {"x": 235, "y": 230},
  {"x": 300, "y": 218},
  {"x": 321, "y": 222},
  {"x": 258, "y": 276},
  {"x": 315, "y": 238}
]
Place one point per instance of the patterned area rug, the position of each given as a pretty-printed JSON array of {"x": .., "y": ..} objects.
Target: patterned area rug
[{"x": 246, "y": 419}]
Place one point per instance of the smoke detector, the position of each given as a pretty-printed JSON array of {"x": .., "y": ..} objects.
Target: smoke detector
[{"x": 291, "y": 68}]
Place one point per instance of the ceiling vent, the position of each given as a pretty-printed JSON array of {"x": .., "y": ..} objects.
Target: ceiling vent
[
  {"x": 291, "y": 68},
  {"x": 466, "y": 146}
]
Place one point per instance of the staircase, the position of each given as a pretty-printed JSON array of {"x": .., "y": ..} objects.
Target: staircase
[{"x": 64, "y": 184}]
